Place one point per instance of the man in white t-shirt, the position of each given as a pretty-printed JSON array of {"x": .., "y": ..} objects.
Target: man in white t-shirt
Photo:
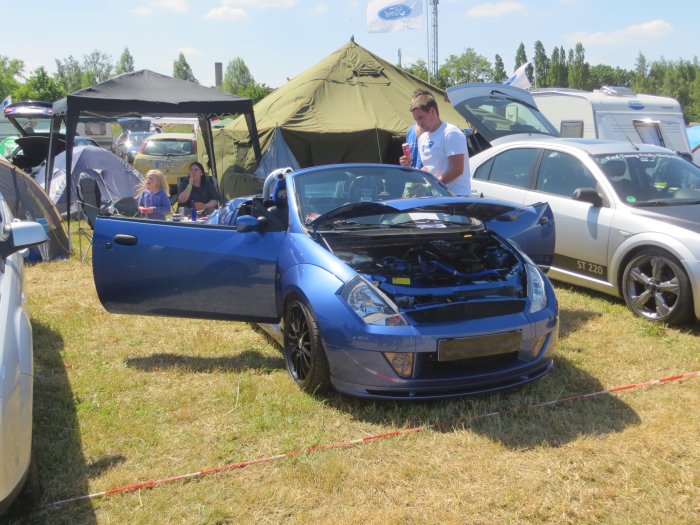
[{"x": 442, "y": 146}]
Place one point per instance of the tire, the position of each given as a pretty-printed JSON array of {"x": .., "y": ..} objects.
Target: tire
[
  {"x": 655, "y": 287},
  {"x": 303, "y": 350}
]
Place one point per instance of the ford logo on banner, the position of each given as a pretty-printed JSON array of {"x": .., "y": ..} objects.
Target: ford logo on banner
[
  {"x": 395, "y": 12},
  {"x": 635, "y": 104}
]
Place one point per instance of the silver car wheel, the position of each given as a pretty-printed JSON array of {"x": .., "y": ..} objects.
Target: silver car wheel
[{"x": 656, "y": 287}]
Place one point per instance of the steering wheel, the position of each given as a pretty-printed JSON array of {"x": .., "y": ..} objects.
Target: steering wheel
[{"x": 362, "y": 188}]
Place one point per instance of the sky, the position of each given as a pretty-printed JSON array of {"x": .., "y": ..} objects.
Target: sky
[{"x": 279, "y": 39}]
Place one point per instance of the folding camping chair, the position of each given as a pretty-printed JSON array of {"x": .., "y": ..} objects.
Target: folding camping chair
[{"x": 89, "y": 200}]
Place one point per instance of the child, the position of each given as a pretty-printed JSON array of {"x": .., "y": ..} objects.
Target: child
[{"x": 154, "y": 201}]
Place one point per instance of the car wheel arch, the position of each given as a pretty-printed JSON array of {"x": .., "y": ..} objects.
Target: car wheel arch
[
  {"x": 683, "y": 308},
  {"x": 638, "y": 243}
]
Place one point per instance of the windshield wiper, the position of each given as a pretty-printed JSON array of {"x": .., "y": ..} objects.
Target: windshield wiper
[
  {"x": 513, "y": 99},
  {"x": 665, "y": 203}
]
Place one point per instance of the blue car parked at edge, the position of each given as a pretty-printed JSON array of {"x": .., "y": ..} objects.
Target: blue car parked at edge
[{"x": 374, "y": 278}]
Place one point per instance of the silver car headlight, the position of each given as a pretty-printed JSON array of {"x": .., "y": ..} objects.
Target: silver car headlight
[
  {"x": 536, "y": 290},
  {"x": 371, "y": 304}
]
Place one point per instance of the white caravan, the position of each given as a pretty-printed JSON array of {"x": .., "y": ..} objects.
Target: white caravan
[{"x": 615, "y": 113}]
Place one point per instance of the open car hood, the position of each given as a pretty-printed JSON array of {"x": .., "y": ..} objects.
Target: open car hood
[
  {"x": 498, "y": 111},
  {"x": 531, "y": 227},
  {"x": 479, "y": 209}
]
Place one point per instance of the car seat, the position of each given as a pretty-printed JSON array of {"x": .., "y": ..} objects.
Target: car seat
[{"x": 279, "y": 208}]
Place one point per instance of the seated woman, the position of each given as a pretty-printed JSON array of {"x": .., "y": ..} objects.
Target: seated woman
[{"x": 198, "y": 190}]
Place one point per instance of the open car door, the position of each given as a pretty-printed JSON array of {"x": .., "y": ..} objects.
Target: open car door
[{"x": 185, "y": 269}]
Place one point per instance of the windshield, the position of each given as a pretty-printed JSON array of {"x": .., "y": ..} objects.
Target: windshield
[
  {"x": 652, "y": 179},
  {"x": 319, "y": 192},
  {"x": 498, "y": 116},
  {"x": 134, "y": 140},
  {"x": 169, "y": 147}
]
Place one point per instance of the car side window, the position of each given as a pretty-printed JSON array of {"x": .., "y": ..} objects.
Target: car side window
[
  {"x": 561, "y": 174},
  {"x": 514, "y": 167},
  {"x": 483, "y": 171}
]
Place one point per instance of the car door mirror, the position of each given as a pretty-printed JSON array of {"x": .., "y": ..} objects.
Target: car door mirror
[
  {"x": 248, "y": 223},
  {"x": 19, "y": 235},
  {"x": 588, "y": 195}
]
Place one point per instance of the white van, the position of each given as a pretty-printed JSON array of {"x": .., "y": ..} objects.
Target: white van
[
  {"x": 615, "y": 113},
  {"x": 100, "y": 131}
]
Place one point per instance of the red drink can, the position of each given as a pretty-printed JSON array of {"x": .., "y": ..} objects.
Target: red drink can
[{"x": 406, "y": 149}]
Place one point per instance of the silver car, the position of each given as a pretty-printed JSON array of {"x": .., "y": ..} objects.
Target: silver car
[
  {"x": 627, "y": 215},
  {"x": 16, "y": 355}
]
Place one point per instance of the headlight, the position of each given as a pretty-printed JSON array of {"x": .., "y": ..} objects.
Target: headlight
[
  {"x": 536, "y": 290},
  {"x": 370, "y": 304}
]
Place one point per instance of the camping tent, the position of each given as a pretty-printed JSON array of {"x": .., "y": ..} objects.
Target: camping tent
[
  {"x": 350, "y": 107},
  {"x": 27, "y": 200},
  {"x": 277, "y": 155},
  {"x": 147, "y": 93},
  {"x": 115, "y": 178}
]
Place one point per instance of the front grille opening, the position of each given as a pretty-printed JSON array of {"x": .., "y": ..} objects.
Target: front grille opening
[
  {"x": 428, "y": 366},
  {"x": 465, "y": 311}
]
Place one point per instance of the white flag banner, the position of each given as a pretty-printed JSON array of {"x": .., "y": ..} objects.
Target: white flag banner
[
  {"x": 519, "y": 78},
  {"x": 384, "y": 16},
  {"x": 6, "y": 102}
]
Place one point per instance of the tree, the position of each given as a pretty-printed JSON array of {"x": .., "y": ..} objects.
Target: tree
[
  {"x": 641, "y": 68},
  {"x": 182, "y": 70},
  {"x": 236, "y": 77},
  {"x": 125, "y": 63},
  {"x": 10, "y": 69},
  {"x": 692, "y": 110},
  {"x": 553, "y": 71},
  {"x": 69, "y": 74},
  {"x": 541, "y": 65},
  {"x": 467, "y": 67},
  {"x": 97, "y": 67},
  {"x": 39, "y": 86},
  {"x": 579, "y": 70},
  {"x": 418, "y": 69},
  {"x": 499, "y": 70},
  {"x": 256, "y": 92},
  {"x": 604, "y": 75},
  {"x": 520, "y": 59}
]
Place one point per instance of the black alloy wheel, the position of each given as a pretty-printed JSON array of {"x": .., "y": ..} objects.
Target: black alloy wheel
[
  {"x": 656, "y": 287},
  {"x": 303, "y": 350}
]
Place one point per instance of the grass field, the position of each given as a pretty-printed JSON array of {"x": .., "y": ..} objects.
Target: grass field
[{"x": 121, "y": 400}]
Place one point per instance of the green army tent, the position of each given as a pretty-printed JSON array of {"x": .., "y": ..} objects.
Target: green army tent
[{"x": 350, "y": 107}]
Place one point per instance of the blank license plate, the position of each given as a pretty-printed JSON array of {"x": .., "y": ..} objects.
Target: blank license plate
[
  {"x": 167, "y": 165},
  {"x": 470, "y": 347}
]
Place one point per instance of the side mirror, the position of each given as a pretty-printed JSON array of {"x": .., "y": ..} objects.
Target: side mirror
[
  {"x": 248, "y": 223},
  {"x": 588, "y": 195},
  {"x": 19, "y": 235}
]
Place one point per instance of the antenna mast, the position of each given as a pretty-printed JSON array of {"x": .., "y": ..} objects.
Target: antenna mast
[{"x": 432, "y": 39}]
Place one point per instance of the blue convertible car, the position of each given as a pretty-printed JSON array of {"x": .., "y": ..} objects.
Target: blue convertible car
[{"x": 379, "y": 281}]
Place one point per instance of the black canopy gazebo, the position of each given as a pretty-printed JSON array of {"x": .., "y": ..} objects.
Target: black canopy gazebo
[{"x": 142, "y": 93}]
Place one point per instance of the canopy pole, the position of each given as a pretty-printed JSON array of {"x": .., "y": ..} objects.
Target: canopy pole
[
  {"x": 205, "y": 128},
  {"x": 71, "y": 125}
]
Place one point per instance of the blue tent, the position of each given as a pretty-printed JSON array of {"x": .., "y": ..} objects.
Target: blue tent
[
  {"x": 115, "y": 178},
  {"x": 693, "y": 135}
]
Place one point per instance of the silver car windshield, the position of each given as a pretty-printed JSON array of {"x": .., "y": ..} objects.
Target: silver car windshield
[{"x": 652, "y": 179}]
